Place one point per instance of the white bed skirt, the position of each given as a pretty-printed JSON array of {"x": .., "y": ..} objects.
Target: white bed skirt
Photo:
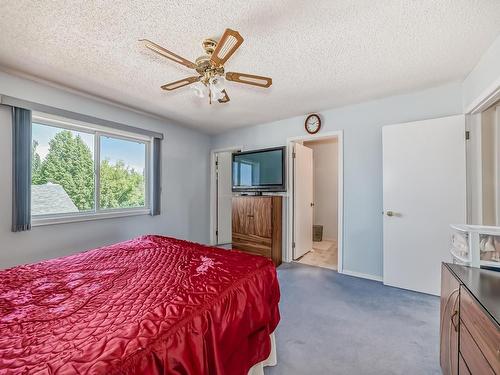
[{"x": 272, "y": 360}]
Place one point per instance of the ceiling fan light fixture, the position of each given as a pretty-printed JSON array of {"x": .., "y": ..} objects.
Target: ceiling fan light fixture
[
  {"x": 218, "y": 83},
  {"x": 200, "y": 90},
  {"x": 218, "y": 95}
]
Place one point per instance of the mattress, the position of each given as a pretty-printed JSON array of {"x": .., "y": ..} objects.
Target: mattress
[{"x": 152, "y": 305}]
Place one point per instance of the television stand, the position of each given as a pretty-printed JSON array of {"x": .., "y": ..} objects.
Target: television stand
[{"x": 256, "y": 225}]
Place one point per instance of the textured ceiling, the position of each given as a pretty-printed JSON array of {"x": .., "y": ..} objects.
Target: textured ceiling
[{"x": 320, "y": 54}]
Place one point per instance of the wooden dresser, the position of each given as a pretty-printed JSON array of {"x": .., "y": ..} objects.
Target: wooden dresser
[
  {"x": 470, "y": 320},
  {"x": 257, "y": 222}
]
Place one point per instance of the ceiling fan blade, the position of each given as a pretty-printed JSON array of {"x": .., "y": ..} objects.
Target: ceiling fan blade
[
  {"x": 227, "y": 45},
  {"x": 225, "y": 99},
  {"x": 180, "y": 83},
  {"x": 166, "y": 53},
  {"x": 249, "y": 79}
]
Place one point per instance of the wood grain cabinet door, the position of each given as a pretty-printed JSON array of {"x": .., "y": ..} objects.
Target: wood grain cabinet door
[
  {"x": 472, "y": 355},
  {"x": 450, "y": 293},
  {"x": 261, "y": 209},
  {"x": 241, "y": 215},
  {"x": 481, "y": 332}
]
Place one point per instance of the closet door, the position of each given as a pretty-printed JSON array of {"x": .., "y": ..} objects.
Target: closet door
[
  {"x": 424, "y": 192},
  {"x": 224, "y": 196}
]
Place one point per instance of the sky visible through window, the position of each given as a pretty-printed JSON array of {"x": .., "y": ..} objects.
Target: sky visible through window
[
  {"x": 133, "y": 153},
  {"x": 43, "y": 134},
  {"x": 112, "y": 149}
]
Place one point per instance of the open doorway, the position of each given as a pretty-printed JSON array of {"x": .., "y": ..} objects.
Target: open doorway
[{"x": 315, "y": 224}]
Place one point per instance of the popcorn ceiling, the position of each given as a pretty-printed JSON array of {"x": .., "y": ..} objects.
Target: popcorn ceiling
[{"x": 320, "y": 54}]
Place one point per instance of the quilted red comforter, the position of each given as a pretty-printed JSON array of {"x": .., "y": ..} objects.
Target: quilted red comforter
[{"x": 153, "y": 305}]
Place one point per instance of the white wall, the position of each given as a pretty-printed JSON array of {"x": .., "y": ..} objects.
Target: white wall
[
  {"x": 185, "y": 177},
  {"x": 325, "y": 177},
  {"x": 361, "y": 124},
  {"x": 484, "y": 78}
]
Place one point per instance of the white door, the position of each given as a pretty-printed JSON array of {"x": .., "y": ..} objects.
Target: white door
[
  {"x": 303, "y": 200},
  {"x": 424, "y": 186},
  {"x": 224, "y": 197}
]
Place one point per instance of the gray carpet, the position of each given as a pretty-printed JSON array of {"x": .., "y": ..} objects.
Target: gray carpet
[{"x": 338, "y": 324}]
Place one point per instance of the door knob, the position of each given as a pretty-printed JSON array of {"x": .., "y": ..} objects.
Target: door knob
[{"x": 391, "y": 213}]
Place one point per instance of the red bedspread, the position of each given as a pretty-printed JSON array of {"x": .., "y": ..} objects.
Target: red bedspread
[{"x": 153, "y": 305}]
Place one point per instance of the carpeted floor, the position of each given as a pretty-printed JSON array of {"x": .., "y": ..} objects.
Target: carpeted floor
[{"x": 338, "y": 324}]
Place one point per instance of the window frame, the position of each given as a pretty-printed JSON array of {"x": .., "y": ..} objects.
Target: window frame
[{"x": 97, "y": 131}]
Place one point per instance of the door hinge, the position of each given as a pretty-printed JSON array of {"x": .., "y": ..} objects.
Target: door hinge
[
  {"x": 293, "y": 155},
  {"x": 216, "y": 232},
  {"x": 293, "y": 245},
  {"x": 467, "y": 135}
]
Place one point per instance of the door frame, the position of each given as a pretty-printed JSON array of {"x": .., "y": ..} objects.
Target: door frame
[
  {"x": 488, "y": 97},
  {"x": 213, "y": 191},
  {"x": 339, "y": 135},
  {"x": 472, "y": 112}
]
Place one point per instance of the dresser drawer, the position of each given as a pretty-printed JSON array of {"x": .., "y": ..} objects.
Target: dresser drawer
[
  {"x": 462, "y": 366},
  {"x": 252, "y": 244},
  {"x": 481, "y": 329},
  {"x": 471, "y": 354}
]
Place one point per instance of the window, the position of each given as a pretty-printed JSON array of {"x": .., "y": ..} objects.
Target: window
[
  {"x": 123, "y": 164},
  {"x": 79, "y": 171}
]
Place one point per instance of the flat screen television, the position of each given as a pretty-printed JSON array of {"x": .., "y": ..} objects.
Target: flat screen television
[{"x": 259, "y": 170}]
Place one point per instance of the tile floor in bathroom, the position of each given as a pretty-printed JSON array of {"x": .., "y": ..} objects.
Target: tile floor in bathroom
[{"x": 323, "y": 254}]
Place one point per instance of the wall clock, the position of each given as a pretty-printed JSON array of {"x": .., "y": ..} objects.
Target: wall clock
[{"x": 312, "y": 123}]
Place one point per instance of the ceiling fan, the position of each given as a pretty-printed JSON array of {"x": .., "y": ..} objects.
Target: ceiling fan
[{"x": 210, "y": 67}]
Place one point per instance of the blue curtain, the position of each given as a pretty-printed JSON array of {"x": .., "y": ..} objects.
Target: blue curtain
[
  {"x": 156, "y": 188},
  {"x": 21, "y": 169}
]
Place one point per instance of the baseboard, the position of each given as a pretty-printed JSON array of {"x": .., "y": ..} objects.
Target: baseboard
[{"x": 362, "y": 275}]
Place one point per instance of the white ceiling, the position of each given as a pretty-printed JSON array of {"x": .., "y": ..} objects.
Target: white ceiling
[{"x": 321, "y": 54}]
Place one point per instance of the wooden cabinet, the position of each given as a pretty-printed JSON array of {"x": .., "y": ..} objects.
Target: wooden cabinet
[
  {"x": 481, "y": 335},
  {"x": 462, "y": 367},
  {"x": 450, "y": 292},
  {"x": 256, "y": 225},
  {"x": 472, "y": 355},
  {"x": 470, "y": 333}
]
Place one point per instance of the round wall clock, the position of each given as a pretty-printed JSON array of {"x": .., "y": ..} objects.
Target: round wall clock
[{"x": 312, "y": 123}]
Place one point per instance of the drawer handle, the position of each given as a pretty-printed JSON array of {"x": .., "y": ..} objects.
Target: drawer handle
[
  {"x": 250, "y": 215},
  {"x": 454, "y": 293},
  {"x": 455, "y": 326}
]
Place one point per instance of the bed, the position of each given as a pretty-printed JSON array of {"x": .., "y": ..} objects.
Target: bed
[{"x": 152, "y": 305}]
